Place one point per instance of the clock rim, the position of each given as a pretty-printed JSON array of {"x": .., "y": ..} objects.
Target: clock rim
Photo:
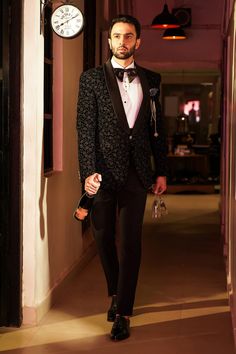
[{"x": 74, "y": 35}]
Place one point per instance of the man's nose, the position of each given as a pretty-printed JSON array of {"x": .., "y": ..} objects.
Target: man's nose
[{"x": 122, "y": 39}]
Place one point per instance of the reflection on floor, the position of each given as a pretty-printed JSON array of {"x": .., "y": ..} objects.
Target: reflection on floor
[{"x": 181, "y": 303}]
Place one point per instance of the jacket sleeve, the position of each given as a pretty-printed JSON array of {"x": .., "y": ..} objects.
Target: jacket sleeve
[
  {"x": 159, "y": 144},
  {"x": 86, "y": 126}
]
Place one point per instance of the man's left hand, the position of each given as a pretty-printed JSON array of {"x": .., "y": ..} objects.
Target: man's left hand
[{"x": 160, "y": 185}]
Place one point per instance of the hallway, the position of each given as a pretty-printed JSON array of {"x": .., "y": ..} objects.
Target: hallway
[{"x": 181, "y": 303}]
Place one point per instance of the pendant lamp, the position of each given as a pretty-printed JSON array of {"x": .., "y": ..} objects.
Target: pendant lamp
[
  {"x": 165, "y": 20},
  {"x": 174, "y": 34}
]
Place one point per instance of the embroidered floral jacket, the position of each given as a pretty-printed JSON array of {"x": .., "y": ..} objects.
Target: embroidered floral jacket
[{"x": 106, "y": 143}]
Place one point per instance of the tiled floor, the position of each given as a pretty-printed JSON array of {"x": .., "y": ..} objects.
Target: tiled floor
[{"x": 181, "y": 303}]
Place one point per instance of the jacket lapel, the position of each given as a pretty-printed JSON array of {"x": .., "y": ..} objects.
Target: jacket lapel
[
  {"x": 114, "y": 92},
  {"x": 146, "y": 99}
]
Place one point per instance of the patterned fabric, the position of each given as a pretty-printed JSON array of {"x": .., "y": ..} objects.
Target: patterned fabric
[{"x": 106, "y": 144}]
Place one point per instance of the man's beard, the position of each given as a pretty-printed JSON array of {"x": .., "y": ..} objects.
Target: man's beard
[{"x": 124, "y": 55}]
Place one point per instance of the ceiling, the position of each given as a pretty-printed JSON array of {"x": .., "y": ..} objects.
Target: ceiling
[{"x": 202, "y": 50}]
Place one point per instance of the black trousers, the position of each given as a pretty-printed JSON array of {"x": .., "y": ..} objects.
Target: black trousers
[{"x": 120, "y": 258}]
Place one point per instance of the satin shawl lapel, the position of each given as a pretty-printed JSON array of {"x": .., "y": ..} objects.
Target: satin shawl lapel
[
  {"x": 146, "y": 99},
  {"x": 114, "y": 92}
]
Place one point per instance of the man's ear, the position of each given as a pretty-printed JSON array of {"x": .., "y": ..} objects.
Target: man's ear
[
  {"x": 138, "y": 42},
  {"x": 109, "y": 42}
]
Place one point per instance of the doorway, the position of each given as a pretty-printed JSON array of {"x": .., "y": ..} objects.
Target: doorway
[
  {"x": 10, "y": 160},
  {"x": 191, "y": 108}
]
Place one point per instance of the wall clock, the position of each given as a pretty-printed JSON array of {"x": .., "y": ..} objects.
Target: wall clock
[{"x": 67, "y": 21}]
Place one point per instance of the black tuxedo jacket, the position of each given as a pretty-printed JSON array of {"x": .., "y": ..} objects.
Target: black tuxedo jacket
[{"x": 106, "y": 143}]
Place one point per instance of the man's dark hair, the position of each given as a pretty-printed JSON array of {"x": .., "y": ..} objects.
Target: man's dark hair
[{"x": 126, "y": 19}]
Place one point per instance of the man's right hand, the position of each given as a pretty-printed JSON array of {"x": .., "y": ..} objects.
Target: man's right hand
[{"x": 92, "y": 183}]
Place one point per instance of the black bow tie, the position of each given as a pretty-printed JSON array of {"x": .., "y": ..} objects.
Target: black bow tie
[{"x": 131, "y": 73}]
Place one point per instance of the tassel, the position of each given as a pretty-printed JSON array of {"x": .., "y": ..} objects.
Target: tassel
[{"x": 154, "y": 116}]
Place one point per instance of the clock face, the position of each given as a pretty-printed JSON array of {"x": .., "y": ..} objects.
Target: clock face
[{"x": 67, "y": 21}]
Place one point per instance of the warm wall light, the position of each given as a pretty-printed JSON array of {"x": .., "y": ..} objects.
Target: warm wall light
[
  {"x": 174, "y": 34},
  {"x": 165, "y": 20}
]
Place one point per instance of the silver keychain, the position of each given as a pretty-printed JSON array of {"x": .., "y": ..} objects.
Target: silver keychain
[{"x": 159, "y": 208}]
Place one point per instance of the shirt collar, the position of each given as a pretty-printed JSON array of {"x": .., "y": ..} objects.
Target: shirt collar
[{"x": 116, "y": 65}]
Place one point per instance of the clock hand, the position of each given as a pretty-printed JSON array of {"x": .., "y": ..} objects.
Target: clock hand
[
  {"x": 73, "y": 17},
  {"x": 69, "y": 20}
]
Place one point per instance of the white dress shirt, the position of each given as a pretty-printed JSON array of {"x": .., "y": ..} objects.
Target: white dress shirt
[{"x": 131, "y": 94}]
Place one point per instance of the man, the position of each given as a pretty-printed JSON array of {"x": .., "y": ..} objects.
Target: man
[{"x": 116, "y": 140}]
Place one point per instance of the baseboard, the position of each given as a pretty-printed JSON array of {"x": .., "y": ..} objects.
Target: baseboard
[{"x": 33, "y": 315}]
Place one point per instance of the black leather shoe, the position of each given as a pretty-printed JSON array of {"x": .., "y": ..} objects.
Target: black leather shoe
[
  {"x": 111, "y": 313},
  {"x": 120, "y": 329}
]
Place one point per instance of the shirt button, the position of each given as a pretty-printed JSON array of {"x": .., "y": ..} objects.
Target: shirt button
[{"x": 130, "y": 137}]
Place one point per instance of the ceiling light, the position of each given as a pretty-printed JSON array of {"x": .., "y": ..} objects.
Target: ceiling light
[
  {"x": 174, "y": 34},
  {"x": 165, "y": 20}
]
